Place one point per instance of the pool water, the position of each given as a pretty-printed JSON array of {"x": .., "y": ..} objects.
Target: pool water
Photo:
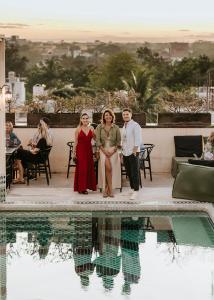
[{"x": 96, "y": 255}]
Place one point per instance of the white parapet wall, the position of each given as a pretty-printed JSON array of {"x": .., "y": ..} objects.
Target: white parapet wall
[
  {"x": 2, "y": 120},
  {"x": 162, "y": 138}
]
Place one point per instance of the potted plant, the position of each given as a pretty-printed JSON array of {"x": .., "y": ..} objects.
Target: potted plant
[
  {"x": 117, "y": 101},
  {"x": 66, "y": 112}
]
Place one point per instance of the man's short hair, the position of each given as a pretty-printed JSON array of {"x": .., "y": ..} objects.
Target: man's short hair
[{"x": 127, "y": 109}]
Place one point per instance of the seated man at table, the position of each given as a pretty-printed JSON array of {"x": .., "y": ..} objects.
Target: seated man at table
[
  {"x": 32, "y": 156},
  {"x": 11, "y": 138}
]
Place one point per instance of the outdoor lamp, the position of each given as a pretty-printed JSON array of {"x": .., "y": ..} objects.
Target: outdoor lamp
[
  {"x": 3, "y": 86},
  {"x": 2, "y": 98},
  {"x": 7, "y": 94},
  {"x": 8, "y": 99}
]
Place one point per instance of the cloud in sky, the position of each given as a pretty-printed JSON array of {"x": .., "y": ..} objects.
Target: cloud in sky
[
  {"x": 13, "y": 25},
  {"x": 208, "y": 35}
]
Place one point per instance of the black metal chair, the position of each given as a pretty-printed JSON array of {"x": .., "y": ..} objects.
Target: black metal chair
[
  {"x": 40, "y": 166},
  {"x": 145, "y": 161},
  {"x": 71, "y": 163},
  {"x": 9, "y": 177},
  {"x": 49, "y": 167}
]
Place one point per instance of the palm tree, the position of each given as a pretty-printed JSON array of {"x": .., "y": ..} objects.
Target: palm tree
[{"x": 146, "y": 99}]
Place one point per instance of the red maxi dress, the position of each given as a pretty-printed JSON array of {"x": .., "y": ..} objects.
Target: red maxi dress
[{"x": 84, "y": 173}]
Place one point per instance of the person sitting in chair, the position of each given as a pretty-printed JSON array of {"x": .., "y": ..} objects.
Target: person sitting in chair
[
  {"x": 33, "y": 142},
  {"x": 11, "y": 137},
  {"x": 209, "y": 147},
  {"x": 33, "y": 155}
]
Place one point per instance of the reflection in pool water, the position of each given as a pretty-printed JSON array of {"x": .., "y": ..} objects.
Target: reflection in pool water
[{"x": 48, "y": 256}]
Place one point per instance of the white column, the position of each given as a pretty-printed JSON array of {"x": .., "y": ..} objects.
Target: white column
[{"x": 2, "y": 122}]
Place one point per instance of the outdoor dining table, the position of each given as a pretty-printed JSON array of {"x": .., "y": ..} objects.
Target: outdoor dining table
[{"x": 10, "y": 156}]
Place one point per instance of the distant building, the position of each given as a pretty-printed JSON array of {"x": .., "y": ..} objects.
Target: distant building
[
  {"x": 178, "y": 50},
  {"x": 87, "y": 54},
  {"x": 76, "y": 53},
  {"x": 39, "y": 90},
  {"x": 15, "y": 39},
  {"x": 165, "y": 53},
  {"x": 17, "y": 88}
]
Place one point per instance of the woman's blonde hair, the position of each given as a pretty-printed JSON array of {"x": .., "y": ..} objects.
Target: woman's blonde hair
[
  {"x": 211, "y": 138},
  {"x": 108, "y": 110},
  {"x": 43, "y": 132}
]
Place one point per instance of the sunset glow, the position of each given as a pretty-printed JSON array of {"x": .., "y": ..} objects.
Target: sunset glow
[{"x": 136, "y": 20}]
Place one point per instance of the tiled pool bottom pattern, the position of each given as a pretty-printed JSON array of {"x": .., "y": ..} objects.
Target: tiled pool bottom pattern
[{"x": 79, "y": 255}]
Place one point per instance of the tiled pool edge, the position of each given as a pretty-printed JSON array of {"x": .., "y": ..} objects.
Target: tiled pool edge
[{"x": 178, "y": 205}]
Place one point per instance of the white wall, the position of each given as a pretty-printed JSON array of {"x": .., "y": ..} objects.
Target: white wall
[
  {"x": 2, "y": 107},
  {"x": 161, "y": 156}
]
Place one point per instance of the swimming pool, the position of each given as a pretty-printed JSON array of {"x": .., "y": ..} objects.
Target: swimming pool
[{"x": 84, "y": 255}]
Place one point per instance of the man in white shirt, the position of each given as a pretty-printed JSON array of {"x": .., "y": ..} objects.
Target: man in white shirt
[{"x": 131, "y": 142}]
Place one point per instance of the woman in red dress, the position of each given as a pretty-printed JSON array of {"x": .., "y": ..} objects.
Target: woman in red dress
[{"x": 84, "y": 174}]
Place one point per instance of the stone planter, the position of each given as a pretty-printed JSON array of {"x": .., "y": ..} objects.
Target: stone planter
[
  {"x": 138, "y": 117},
  {"x": 10, "y": 117},
  {"x": 56, "y": 120},
  {"x": 184, "y": 119}
]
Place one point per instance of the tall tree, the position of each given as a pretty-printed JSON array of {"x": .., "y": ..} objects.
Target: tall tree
[
  {"x": 116, "y": 68},
  {"x": 13, "y": 60},
  {"x": 158, "y": 67},
  {"x": 49, "y": 73}
]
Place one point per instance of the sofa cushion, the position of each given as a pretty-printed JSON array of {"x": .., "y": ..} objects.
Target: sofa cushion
[
  {"x": 201, "y": 162},
  {"x": 175, "y": 162},
  {"x": 194, "y": 182}
]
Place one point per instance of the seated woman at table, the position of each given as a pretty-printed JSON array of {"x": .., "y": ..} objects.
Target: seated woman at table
[
  {"x": 31, "y": 156},
  {"x": 33, "y": 142},
  {"x": 11, "y": 138},
  {"x": 209, "y": 147}
]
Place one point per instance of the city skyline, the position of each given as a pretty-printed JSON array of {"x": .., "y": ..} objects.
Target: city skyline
[{"x": 122, "y": 21}]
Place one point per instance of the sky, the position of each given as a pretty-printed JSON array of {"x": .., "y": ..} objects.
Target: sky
[
  {"x": 161, "y": 278},
  {"x": 109, "y": 20}
]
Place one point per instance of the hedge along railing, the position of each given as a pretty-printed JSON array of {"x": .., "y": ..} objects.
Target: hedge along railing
[
  {"x": 138, "y": 117},
  {"x": 72, "y": 119},
  {"x": 186, "y": 118},
  {"x": 56, "y": 120}
]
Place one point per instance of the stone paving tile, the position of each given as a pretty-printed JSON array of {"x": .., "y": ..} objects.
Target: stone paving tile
[{"x": 155, "y": 195}]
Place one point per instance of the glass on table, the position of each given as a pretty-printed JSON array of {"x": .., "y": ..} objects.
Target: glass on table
[{"x": 15, "y": 142}]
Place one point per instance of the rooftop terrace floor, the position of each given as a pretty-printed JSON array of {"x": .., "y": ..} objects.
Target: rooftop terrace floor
[{"x": 59, "y": 195}]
